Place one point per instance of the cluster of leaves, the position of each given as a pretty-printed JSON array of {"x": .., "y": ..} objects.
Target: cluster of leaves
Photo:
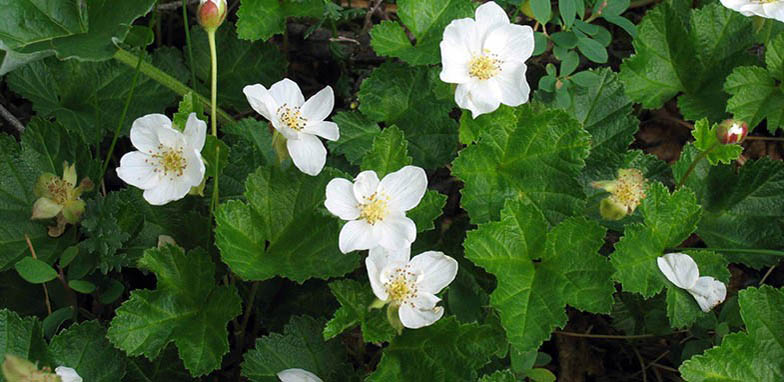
[{"x": 526, "y": 233}]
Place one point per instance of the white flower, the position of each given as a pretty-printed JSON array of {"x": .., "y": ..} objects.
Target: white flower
[
  {"x": 412, "y": 284},
  {"x": 67, "y": 374},
  {"x": 376, "y": 211},
  {"x": 299, "y": 121},
  {"x": 771, "y": 9},
  {"x": 168, "y": 162},
  {"x": 298, "y": 375},
  {"x": 682, "y": 271},
  {"x": 486, "y": 59}
]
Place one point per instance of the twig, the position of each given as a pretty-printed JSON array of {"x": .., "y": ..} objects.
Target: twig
[
  {"x": 640, "y": 3},
  {"x": 642, "y": 364},
  {"x": 174, "y": 5},
  {"x": 46, "y": 291},
  {"x": 617, "y": 337},
  {"x": 11, "y": 119},
  {"x": 770, "y": 270},
  {"x": 660, "y": 366},
  {"x": 369, "y": 15}
]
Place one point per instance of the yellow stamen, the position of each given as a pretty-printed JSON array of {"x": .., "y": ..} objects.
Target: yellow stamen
[
  {"x": 170, "y": 161},
  {"x": 375, "y": 209},
  {"x": 292, "y": 117},
  {"x": 484, "y": 67},
  {"x": 402, "y": 287},
  {"x": 629, "y": 188}
]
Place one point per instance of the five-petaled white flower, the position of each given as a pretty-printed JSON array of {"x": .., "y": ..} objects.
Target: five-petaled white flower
[
  {"x": 682, "y": 271},
  {"x": 168, "y": 162},
  {"x": 299, "y": 121},
  {"x": 770, "y": 9},
  {"x": 411, "y": 284},
  {"x": 298, "y": 375},
  {"x": 67, "y": 374},
  {"x": 376, "y": 211},
  {"x": 486, "y": 59}
]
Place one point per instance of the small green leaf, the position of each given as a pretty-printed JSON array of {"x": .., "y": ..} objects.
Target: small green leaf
[
  {"x": 85, "y": 348},
  {"x": 261, "y": 19},
  {"x": 357, "y": 134},
  {"x": 592, "y": 49},
  {"x": 112, "y": 292},
  {"x": 355, "y": 299},
  {"x": 82, "y": 286},
  {"x": 706, "y": 140},
  {"x": 542, "y": 10},
  {"x": 566, "y": 40},
  {"x": 569, "y": 63},
  {"x": 540, "y": 43},
  {"x": 53, "y": 321},
  {"x": 388, "y": 153},
  {"x": 68, "y": 255},
  {"x": 139, "y": 36},
  {"x": 35, "y": 271},
  {"x": 540, "y": 375},
  {"x": 754, "y": 96},
  {"x": 568, "y": 11}
]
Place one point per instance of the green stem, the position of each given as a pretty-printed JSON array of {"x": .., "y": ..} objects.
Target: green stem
[
  {"x": 122, "y": 117},
  {"x": 770, "y": 252},
  {"x": 214, "y": 120},
  {"x": 694, "y": 163},
  {"x": 166, "y": 80},
  {"x": 188, "y": 41}
]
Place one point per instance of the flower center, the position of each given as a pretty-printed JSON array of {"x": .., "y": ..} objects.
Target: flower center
[
  {"x": 402, "y": 285},
  {"x": 58, "y": 188},
  {"x": 292, "y": 117},
  {"x": 375, "y": 209},
  {"x": 484, "y": 67},
  {"x": 629, "y": 189},
  {"x": 170, "y": 161}
]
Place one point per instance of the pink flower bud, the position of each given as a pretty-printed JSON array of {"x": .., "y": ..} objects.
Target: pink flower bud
[
  {"x": 211, "y": 13},
  {"x": 732, "y": 131}
]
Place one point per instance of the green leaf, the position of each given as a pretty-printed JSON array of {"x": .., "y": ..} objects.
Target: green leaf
[
  {"x": 186, "y": 308},
  {"x": 755, "y": 96},
  {"x": 215, "y": 147},
  {"x": 35, "y": 271},
  {"x": 444, "y": 351},
  {"x": 542, "y": 10},
  {"x": 539, "y": 273},
  {"x": 90, "y": 102},
  {"x": 85, "y": 348},
  {"x": 668, "y": 220},
  {"x": 240, "y": 63},
  {"x": 500, "y": 376},
  {"x": 280, "y": 231},
  {"x": 357, "y": 134},
  {"x": 473, "y": 128},
  {"x": 168, "y": 367},
  {"x": 109, "y": 22},
  {"x": 299, "y": 346},
  {"x": 55, "y": 20},
  {"x": 189, "y": 104},
  {"x": 388, "y": 153},
  {"x": 355, "y": 298},
  {"x": 682, "y": 309},
  {"x": 47, "y": 145},
  {"x": 82, "y": 286},
  {"x": 105, "y": 234},
  {"x": 426, "y": 20},
  {"x": 405, "y": 96},
  {"x": 568, "y": 11},
  {"x": 753, "y": 355},
  {"x": 592, "y": 50},
  {"x": 261, "y": 19},
  {"x": 669, "y": 39},
  {"x": 743, "y": 208},
  {"x": 774, "y": 57},
  {"x": 706, "y": 140},
  {"x": 428, "y": 210},
  {"x": 534, "y": 155},
  {"x": 22, "y": 337}
]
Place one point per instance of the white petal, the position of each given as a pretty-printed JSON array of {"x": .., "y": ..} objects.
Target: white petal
[
  {"x": 67, "y": 374},
  {"x": 170, "y": 137},
  {"x": 325, "y": 129},
  {"x": 261, "y": 100},
  {"x": 512, "y": 85},
  {"x": 395, "y": 232},
  {"x": 365, "y": 185},
  {"x": 308, "y": 154},
  {"x": 194, "y": 169},
  {"x": 680, "y": 269},
  {"x": 708, "y": 292},
  {"x": 287, "y": 92},
  {"x": 144, "y": 131},
  {"x": 413, "y": 318},
  {"x": 374, "y": 263},
  {"x": 136, "y": 172},
  {"x": 298, "y": 375},
  {"x": 398, "y": 256},
  {"x": 491, "y": 13},
  {"x": 356, "y": 235},
  {"x": 405, "y": 187},
  {"x": 510, "y": 42},
  {"x": 480, "y": 97},
  {"x": 167, "y": 190},
  {"x": 340, "y": 199},
  {"x": 318, "y": 107},
  {"x": 459, "y": 44},
  {"x": 195, "y": 132},
  {"x": 424, "y": 301},
  {"x": 436, "y": 270}
]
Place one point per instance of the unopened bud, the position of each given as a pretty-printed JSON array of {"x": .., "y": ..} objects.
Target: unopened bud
[
  {"x": 211, "y": 13},
  {"x": 732, "y": 131}
]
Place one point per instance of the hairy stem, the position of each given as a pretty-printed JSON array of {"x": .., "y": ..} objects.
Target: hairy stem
[
  {"x": 166, "y": 80},
  {"x": 693, "y": 165}
]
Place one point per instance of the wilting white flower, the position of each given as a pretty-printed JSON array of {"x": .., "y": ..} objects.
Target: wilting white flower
[
  {"x": 486, "y": 59},
  {"x": 298, "y": 375},
  {"x": 168, "y": 162},
  {"x": 412, "y": 284},
  {"x": 682, "y": 271},
  {"x": 67, "y": 374},
  {"x": 771, "y": 9},
  {"x": 376, "y": 211},
  {"x": 299, "y": 121}
]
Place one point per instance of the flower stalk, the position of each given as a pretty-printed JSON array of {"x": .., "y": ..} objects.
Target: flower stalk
[{"x": 694, "y": 163}]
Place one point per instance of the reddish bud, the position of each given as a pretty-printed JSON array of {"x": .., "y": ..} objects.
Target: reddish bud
[
  {"x": 732, "y": 131},
  {"x": 211, "y": 13}
]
